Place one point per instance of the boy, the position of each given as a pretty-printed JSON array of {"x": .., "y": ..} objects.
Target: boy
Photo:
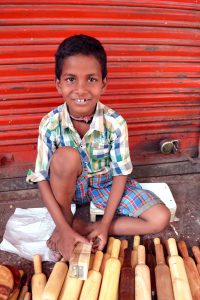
[{"x": 83, "y": 155}]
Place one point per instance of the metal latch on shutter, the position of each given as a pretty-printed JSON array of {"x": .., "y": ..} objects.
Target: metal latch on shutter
[{"x": 169, "y": 146}]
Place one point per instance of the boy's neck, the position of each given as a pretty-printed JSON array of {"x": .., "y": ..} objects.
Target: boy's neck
[{"x": 86, "y": 119}]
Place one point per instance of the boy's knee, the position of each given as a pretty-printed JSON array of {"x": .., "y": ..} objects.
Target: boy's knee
[
  {"x": 65, "y": 160},
  {"x": 162, "y": 219}
]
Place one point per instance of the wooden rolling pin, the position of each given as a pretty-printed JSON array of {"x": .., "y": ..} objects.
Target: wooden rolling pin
[
  {"x": 126, "y": 283},
  {"x": 162, "y": 274},
  {"x": 191, "y": 271},
  {"x": 71, "y": 288},
  {"x": 92, "y": 285},
  {"x": 156, "y": 241},
  {"x": 151, "y": 263},
  {"x": 107, "y": 254},
  {"x": 134, "y": 254},
  {"x": 27, "y": 296},
  {"x": 24, "y": 288},
  {"x": 55, "y": 281},
  {"x": 196, "y": 253},
  {"x": 142, "y": 277},
  {"x": 17, "y": 286},
  {"x": 6, "y": 282},
  {"x": 180, "y": 282},
  {"x": 39, "y": 279},
  {"x": 110, "y": 281}
]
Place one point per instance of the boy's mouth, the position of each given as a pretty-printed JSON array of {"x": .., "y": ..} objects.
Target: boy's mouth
[{"x": 80, "y": 100}]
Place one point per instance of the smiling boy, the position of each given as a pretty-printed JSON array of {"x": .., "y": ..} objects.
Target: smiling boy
[{"x": 83, "y": 155}]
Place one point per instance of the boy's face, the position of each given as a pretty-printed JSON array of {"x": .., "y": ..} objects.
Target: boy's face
[{"x": 81, "y": 84}]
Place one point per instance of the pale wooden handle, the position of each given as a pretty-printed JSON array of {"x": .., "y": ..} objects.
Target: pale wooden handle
[
  {"x": 160, "y": 259},
  {"x": 97, "y": 261},
  {"x": 116, "y": 248},
  {"x": 110, "y": 244},
  {"x": 37, "y": 263},
  {"x": 141, "y": 255},
  {"x": 156, "y": 241},
  {"x": 27, "y": 296},
  {"x": 172, "y": 247},
  {"x": 136, "y": 242},
  {"x": 196, "y": 252},
  {"x": 183, "y": 248}
]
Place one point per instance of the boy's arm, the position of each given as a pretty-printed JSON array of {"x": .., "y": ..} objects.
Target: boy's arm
[
  {"x": 67, "y": 237},
  {"x": 117, "y": 190},
  {"x": 101, "y": 228}
]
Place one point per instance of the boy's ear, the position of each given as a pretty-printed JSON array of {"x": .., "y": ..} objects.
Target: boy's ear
[
  {"x": 58, "y": 85},
  {"x": 104, "y": 84}
]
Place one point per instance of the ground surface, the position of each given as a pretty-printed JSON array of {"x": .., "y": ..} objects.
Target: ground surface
[{"x": 186, "y": 191}]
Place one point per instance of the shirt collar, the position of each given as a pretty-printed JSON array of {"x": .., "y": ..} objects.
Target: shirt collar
[{"x": 97, "y": 122}]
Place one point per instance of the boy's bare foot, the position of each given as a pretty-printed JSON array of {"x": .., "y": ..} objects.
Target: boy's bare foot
[{"x": 53, "y": 240}]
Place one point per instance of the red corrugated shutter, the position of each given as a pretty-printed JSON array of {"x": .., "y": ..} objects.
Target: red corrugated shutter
[{"x": 154, "y": 72}]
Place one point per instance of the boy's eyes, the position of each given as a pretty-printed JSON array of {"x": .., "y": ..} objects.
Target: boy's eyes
[
  {"x": 70, "y": 79},
  {"x": 92, "y": 79},
  {"x": 73, "y": 79}
]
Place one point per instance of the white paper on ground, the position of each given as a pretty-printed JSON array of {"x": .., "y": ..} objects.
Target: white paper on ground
[{"x": 26, "y": 233}]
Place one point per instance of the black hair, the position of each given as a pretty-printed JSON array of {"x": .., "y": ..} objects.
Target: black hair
[{"x": 80, "y": 44}]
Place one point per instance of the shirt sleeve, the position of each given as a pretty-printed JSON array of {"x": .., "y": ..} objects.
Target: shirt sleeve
[
  {"x": 45, "y": 149},
  {"x": 120, "y": 156}
]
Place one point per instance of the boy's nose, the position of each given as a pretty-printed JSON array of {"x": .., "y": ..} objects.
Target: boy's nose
[{"x": 81, "y": 89}]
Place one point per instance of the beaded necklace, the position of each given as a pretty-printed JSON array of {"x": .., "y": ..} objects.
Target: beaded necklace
[{"x": 86, "y": 119}]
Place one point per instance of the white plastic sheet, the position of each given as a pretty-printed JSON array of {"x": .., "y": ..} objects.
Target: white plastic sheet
[{"x": 26, "y": 233}]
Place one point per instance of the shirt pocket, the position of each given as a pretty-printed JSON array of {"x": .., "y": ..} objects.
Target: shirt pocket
[{"x": 100, "y": 151}]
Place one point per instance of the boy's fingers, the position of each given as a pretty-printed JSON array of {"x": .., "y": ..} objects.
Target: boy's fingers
[
  {"x": 96, "y": 242},
  {"x": 84, "y": 240},
  {"x": 91, "y": 236}
]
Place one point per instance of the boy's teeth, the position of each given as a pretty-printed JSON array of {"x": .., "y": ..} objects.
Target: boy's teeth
[{"x": 81, "y": 100}]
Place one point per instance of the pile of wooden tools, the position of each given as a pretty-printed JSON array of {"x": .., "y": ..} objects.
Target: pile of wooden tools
[
  {"x": 12, "y": 285},
  {"x": 149, "y": 270}
]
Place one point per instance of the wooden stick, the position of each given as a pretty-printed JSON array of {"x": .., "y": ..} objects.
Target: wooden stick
[
  {"x": 127, "y": 282},
  {"x": 162, "y": 274},
  {"x": 55, "y": 282},
  {"x": 24, "y": 289},
  {"x": 151, "y": 263},
  {"x": 110, "y": 281},
  {"x": 17, "y": 275},
  {"x": 142, "y": 277},
  {"x": 6, "y": 282},
  {"x": 38, "y": 280},
  {"x": 191, "y": 270},
  {"x": 134, "y": 254},
  {"x": 92, "y": 285},
  {"x": 180, "y": 282},
  {"x": 107, "y": 254},
  {"x": 196, "y": 253}
]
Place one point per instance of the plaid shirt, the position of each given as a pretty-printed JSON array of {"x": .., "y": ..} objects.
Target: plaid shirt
[{"x": 105, "y": 144}]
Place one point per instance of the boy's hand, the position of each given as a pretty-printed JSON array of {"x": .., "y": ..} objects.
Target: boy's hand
[
  {"x": 64, "y": 243},
  {"x": 98, "y": 236}
]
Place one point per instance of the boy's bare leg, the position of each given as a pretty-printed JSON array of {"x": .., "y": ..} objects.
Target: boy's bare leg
[
  {"x": 64, "y": 169},
  {"x": 153, "y": 220}
]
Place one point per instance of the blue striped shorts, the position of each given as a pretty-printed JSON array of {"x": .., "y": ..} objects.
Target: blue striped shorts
[{"x": 134, "y": 201}]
